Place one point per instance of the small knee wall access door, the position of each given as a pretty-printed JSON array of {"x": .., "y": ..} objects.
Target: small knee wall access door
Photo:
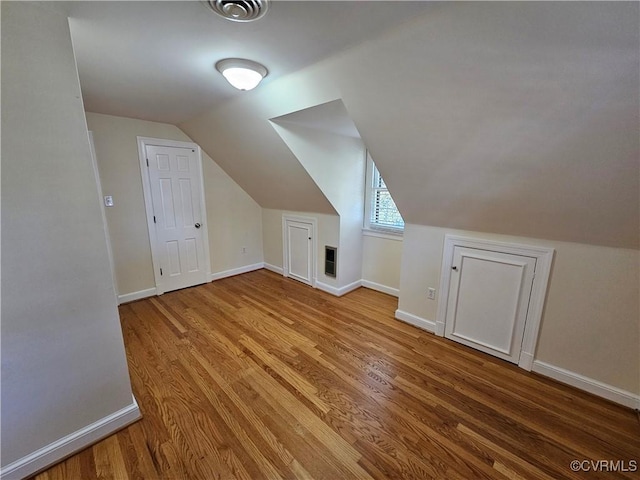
[
  {"x": 488, "y": 300},
  {"x": 299, "y": 249},
  {"x": 492, "y": 296}
]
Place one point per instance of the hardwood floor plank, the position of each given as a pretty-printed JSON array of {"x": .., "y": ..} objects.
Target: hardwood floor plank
[
  {"x": 261, "y": 377},
  {"x": 531, "y": 471},
  {"x": 249, "y": 415},
  {"x": 138, "y": 456},
  {"x": 109, "y": 460}
]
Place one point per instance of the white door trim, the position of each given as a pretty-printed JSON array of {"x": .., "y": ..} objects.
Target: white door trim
[
  {"x": 285, "y": 244},
  {"x": 148, "y": 203},
  {"x": 544, "y": 257}
]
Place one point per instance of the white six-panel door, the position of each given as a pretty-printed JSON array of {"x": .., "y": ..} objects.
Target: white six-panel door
[
  {"x": 175, "y": 182},
  {"x": 488, "y": 299}
]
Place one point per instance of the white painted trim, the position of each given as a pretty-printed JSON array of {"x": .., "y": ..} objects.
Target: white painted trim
[
  {"x": 274, "y": 268},
  {"x": 526, "y": 361},
  {"x": 133, "y": 296},
  {"x": 314, "y": 244},
  {"x": 327, "y": 288},
  {"x": 236, "y": 271},
  {"x": 74, "y": 442},
  {"x": 423, "y": 323},
  {"x": 587, "y": 384},
  {"x": 368, "y": 205},
  {"x": 148, "y": 203},
  {"x": 544, "y": 258},
  {"x": 369, "y": 232},
  {"x": 338, "y": 291},
  {"x": 381, "y": 288},
  {"x": 349, "y": 288}
]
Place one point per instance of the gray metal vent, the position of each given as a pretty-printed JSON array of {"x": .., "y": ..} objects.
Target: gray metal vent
[{"x": 239, "y": 10}]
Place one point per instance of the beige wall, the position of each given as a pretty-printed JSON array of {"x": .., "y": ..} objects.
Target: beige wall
[
  {"x": 381, "y": 259},
  {"x": 63, "y": 358},
  {"x": 590, "y": 324},
  {"x": 233, "y": 218}
]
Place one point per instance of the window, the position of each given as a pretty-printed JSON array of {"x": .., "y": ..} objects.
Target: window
[{"x": 381, "y": 212}]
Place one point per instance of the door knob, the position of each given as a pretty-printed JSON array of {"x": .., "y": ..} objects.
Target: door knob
[
  {"x": 454, "y": 268},
  {"x": 197, "y": 225}
]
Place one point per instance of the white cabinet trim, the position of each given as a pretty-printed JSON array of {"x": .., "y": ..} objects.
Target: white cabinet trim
[
  {"x": 314, "y": 244},
  {"x": 544, "y": 257}
]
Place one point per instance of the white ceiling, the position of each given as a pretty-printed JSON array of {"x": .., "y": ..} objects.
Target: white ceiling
[
  {"x": 331, "y": 117},
  {"x": 155, "y": 59},
  {"x": 517, "y": 118}
]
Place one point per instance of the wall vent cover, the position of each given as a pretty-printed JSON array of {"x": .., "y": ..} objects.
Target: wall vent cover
[{"x": 239, "y": 10}]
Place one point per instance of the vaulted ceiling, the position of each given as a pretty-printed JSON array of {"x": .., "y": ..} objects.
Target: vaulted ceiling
[
  {"x": 155, "y": 59},
  {"x": 513, "y": 118}
]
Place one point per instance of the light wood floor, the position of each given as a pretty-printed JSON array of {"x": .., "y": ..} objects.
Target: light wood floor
[{"x": 258, "y": 376}]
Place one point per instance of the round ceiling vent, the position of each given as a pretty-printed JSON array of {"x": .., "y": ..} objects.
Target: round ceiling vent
[{"x": 239, "y": 10}]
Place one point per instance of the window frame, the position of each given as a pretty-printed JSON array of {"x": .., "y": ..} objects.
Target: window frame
[{"x": 369, "y": 225}]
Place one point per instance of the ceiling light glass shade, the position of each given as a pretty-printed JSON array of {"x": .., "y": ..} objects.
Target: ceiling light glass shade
[{"x": 242, "y": 74}]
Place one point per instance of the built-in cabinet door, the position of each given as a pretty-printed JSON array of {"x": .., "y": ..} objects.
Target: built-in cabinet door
[
  {"x": 488, "y": 299},
  {"x": 299, "y": 251},
  {"x": 175, "y": 182}
]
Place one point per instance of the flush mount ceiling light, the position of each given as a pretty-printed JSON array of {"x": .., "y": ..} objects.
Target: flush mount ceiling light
[
  {"x": 239, "y": 10},
  {"x": 242, "y": 74}
]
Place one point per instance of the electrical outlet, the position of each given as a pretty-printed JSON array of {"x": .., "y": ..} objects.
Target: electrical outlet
[
  {"x": 432, "y": 293},
  {"x": 244, "y": 250}
]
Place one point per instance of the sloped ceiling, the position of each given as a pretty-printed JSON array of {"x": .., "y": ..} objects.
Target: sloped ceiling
[
  {"x": 239, "y": 137},
  {"x": 512, "y": 118},
  {"x": 331, "y": 117},
  {"x": 154, "y": 60},
  {"x": 326, "y": 142}
]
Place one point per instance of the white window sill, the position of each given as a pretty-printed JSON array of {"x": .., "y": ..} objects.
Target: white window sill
[{"x": 389, "y": 235}]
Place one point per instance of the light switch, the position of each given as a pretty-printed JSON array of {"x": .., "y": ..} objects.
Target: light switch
[{"x": 108, "y": 201}]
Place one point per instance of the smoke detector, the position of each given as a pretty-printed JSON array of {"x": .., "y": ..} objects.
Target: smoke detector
[{"x": 239, "y": 10}]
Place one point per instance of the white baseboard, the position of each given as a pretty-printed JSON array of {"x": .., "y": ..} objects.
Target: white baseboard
[
  {"x": 72, "y": 443},
  {"x": 381, "y": 288},
  {"x": 327, "y": 288},
  {"x": 131, "y": 297},
  {"x": 236, "y": 271},
  {"x": 338, "y": 292},
  {"x": 587, "y": 384},
  {"x": 150, "y": 292},
  {"x": 273, "y": 268},
  {"x": 423, "y": 323}
]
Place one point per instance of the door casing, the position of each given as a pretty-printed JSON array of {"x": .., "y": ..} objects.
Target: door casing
[
  {"x": 143, "y": 142},
  {"x": 286, "y": 219},
  {"x": 544, "y": 259}
]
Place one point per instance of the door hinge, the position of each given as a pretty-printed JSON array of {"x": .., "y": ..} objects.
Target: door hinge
[
  {"x": 147, "y": 162},
  {"x": 154, "y": 219},
  {"x": 160, "y": 271}
]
